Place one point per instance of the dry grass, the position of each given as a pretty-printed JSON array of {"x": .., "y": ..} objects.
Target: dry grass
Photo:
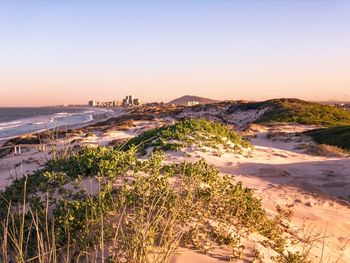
[
  {"x": 324, "y": 150},
  {"x": 280, "y": 136}
]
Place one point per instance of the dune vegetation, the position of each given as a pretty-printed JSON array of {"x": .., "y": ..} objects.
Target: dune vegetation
[
  {"x": 336, "y": 136},
  {"x": 199, "y": 132},
  {"x": 105, "y": 204},
  {"x": 296, "y": 111}
]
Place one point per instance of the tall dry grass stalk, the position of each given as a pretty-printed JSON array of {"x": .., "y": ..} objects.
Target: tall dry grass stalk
[
  {"x": 60, "y": 148},
  {"x": 23, "y": 225}
]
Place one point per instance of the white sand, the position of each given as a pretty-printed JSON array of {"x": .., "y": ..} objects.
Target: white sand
[{"x": 12, "y": 167}]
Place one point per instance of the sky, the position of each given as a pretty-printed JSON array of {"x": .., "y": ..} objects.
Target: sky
[{"x": 75, "y": 51}]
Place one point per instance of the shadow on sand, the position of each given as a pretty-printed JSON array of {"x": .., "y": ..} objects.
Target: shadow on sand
[{"x": 329, "y": 177}]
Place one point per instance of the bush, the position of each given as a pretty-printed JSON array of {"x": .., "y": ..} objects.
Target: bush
[
  {"x": 296, "y": 111},
  {"x": 187, "y": 133},
  {"x": 325, "y": 150},
  {"x": 336, "y": 136}
]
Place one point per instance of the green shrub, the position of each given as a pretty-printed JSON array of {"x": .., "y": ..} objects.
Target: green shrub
[
  {"x": 336, "y": 136},
  {"x": 296, "y": 111},
  {"x": 187, "y": 133}
]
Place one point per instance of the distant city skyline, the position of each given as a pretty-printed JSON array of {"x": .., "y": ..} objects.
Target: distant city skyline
[{"x": 53, "y": 52}]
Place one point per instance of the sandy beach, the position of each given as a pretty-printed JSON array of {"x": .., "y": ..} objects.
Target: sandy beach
[{"x": 279, "y": 171}]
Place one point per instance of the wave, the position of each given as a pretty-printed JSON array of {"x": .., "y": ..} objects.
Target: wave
[
  {"x": 9, "y": 123},
  {"x": 45, "y": 122},
  {"x": 9, "y": 127},
  {"x": 39, "y": 122},
  {"x": 90, "y": 118},
  {"x": 87, "y": 111}
]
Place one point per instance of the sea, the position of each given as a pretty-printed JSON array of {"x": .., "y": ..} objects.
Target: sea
[{"x": 19, "y": 121}]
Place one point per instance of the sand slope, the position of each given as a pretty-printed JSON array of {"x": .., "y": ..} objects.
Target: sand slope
[
  {"x": 311, "y": 185},
  {"x": 317, "y": 188}
]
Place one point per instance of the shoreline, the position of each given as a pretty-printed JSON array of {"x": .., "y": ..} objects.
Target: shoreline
[{"x": 71, "y": 127}]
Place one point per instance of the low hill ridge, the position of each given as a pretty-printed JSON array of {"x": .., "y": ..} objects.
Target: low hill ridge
[
  {"x": 295, "y": 111},
  {"x": 187, "y": 98}
]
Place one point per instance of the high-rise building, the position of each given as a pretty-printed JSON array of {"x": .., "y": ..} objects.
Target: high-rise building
[
  {"x": 130, "y": 101},
  {"x": 117, "y": 103},
  {"x": 92, "y": 103}
]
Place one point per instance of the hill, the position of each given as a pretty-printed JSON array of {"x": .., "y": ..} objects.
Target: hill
[
  {"x": 294, "y": 110},
  {"x": 187, "y": 98},
  {"x": 186, "y": 133},
  {"x": 336, "y": 136}
]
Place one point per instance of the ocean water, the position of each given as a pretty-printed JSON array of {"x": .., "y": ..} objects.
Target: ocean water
[{"x": 19, "y": 121}]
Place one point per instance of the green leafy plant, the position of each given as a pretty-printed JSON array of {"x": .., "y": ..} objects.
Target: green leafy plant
[{"x": 187, "y": 133}]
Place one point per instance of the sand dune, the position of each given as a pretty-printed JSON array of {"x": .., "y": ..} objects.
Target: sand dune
[
  {"x": 280, "y": 173},
  {"x": 316, "y": 187}
]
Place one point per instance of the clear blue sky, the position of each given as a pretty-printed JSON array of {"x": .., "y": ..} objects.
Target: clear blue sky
[{"x": 52, "y": 51}]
